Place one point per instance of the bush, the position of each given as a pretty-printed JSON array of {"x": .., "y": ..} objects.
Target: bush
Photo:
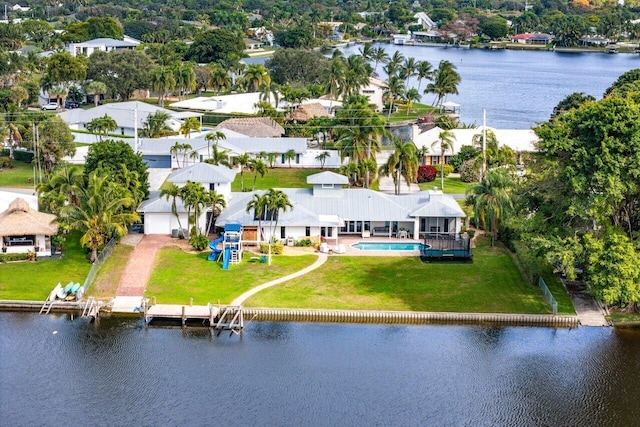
[
  {"x": 469, "y": 172},
  {"x": 5, "y": 162},
  {"x": 14, "y": 257},
  {"x": 276, "y": 248},
  {"x": 447, "y": 169},
  {"x": 199, "y": 242},
  {"x": 426, "y": 173},
  {"x": 23, "y": 156},
  {"x": 304, "y": 242}
]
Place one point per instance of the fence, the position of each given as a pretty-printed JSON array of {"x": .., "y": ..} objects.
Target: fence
[
  {"x": 548, "y": 295},
  {"x": 97, "y": 265}
]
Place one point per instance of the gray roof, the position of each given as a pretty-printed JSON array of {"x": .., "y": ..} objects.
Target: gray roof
[
  {"x": 327, "y": 178},
  {"x": 354, "y": 204},
  {"x": 109, "y": 43},
  {"x": 121, "y": 112},
  {"x": 158, "y": 204},
  {"x": 233, "y": 144},
  {"x": 203, "y": 173}
]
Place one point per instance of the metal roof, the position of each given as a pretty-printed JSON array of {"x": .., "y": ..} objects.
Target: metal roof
[
  {"x": 327, "y": 178},
  {"x": 203, "y": 173}
]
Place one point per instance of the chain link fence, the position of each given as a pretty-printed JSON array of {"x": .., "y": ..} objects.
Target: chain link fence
[
  {"x": 97, "y": 265},
  {"x": 548, "y": 295}
]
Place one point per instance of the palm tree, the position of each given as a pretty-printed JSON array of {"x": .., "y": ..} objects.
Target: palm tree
[
  {"x": 356, "y": 75},
  {"x": 185, "y": 77},
  {"x": 367, "y": 51},
  {"x": 424, "y": 71},
  {"x": 194, "y": 197},
  {"x": 219, "y": 79},
  {"x": 61, "y": 188},
  {"x": 177, "y": 149},
  {"x": 18, "y": 95},
  {"x": 217, "y": 203},
  {"x": 333, "y": 79},
  {"x": 189, "y": 124},
  {"x": 394, "y": 90},
  {"x": 257, "y": 166},
  {"x": 257, "y": 75},
  {"x": 102, "y": 125},
  {"x": 412, "y": 95},
  {"x": 59, "y": 92},
  {"x": 219, "y": 157},
  {"x": 379, "y": 56},
  {"x": 322, "y": 158},
  {"x": 242, "y": 161},
  {"x": 105, "y": 209},
  {"x": 172, "y": 191},
  {"x": 277, "y": 201},
  {"x": 215, "y": 137},
  {"x": 162, "y": 81},
  {"x": 290, "y": 155},
  {"x": 258, "y": 205},
  {"x": 491, "y": 200},
  {"x": 445, "y": 142},
  {"x": 156, "y": 125},
  {"x": 445, "y": 81},
  {"x": 396, "y": 59},
  {"x": 410, "y": 68},
  {"x": 403, "y": 163},
  {"x": 96, "y": 88}
]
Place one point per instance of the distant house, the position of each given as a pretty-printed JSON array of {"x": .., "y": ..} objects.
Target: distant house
[
  {"x": 425, "y": 22},
  {"x": 306, "y": 112},
  {"x": 532, "y": 38},
  {"x": 18, "y": 8},
  {"x": 251, "y": 44},
  {"x": 101, "y": 44},
  {"x": 253, "y": 126},
  {"x": 375, "y": 92},
  {"x": 402, "y": 39}
]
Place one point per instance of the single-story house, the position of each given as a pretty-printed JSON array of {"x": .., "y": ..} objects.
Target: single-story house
[
  {"x": 425, "y": 22},
  {"x": 24, "y": 229},
  {"x": 102, "y": 44},
  {"x": 532, "y": 38},
  {"x": 156, "y": 211},
  {"x": 328, "y": 211}
]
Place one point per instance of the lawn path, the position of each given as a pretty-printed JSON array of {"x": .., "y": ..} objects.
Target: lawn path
[
  {"x": 322, "y": 258},
  {"x": 138, "y": 270}
]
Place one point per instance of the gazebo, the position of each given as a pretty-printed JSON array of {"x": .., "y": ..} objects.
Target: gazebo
[{"x": 23, "y": 229}]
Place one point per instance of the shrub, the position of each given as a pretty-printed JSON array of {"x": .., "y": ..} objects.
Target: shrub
[
  {"x": 447, "y": 169},
  {"x": 199, "y": 242},
  {"x": 5, "y": 162},
  {"x": 14, "y": 257},
  {"x": 426, "y": 173},
  {"x": 276, "y": 248},
  {"x": 469, "y": 172},
  {"x": 23, "y": 156},
  {"x": 304, "y": 242}
]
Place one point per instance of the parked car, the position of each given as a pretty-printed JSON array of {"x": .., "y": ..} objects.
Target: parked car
[
  {"x": 52, "y": 106},
  {"x": 70, "y": 103}
]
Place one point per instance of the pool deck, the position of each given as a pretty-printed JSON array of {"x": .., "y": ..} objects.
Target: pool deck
[{"x": 348, "y": 241}]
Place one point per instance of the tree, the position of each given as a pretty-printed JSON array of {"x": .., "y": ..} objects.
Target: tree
[
  {"x": 55, "y": 141},
  {"x": 242, "y": 160},
  {"x": 155, "y": 125},
  {"x": 102, "y": 125},
  {"x": 491, "y": 200},
  {"x": 403, "y": 163},
  {"x": 219, "y": 78},
  {"x": 256, "y": 76},
  {"x": 189, "y": 124},
  {"x": 296, "y": 66},
  {"x": 215, "y": 45},
  {"x": 276, "y": 201},
  {"x": 290, "y": 155},
  {"x": 104, "y": 211},
  {"x": 423, "y": 71},
  {"x": 215, "y": 137},
  {"x": 379, "y": 56},
  {"x": 108, "y": 157},
  {"x": 61, "y": 188},
  {"x": 194, "y": 198},
  {"x": 63, "y": 68},
  {"x": 258, "y": 205},
  {"x": 162, "y": 81},
  {"x": 445, "y": 142},
  {"x": 494, "y": 27},
  {"x": 356, "y": 75},
  {"x": 185, "y": 78},
  {"x": 298, "y": 37},
  {"x": 258, "y": 167},
  {"x": 570, "y": 102},
  {"x": 219, "y": 157},
  {"x": 123, "y": 71},
  {"x": 18, "y": 95},
  {"x": 96, "y": 88},
  {"x": 394, "y": 90},
  {"x": 322, "y": 158},
  {"x": 445, "y": 82},
  {"x": 216, "y": 203},
  {"x": 333, "y": 79}
]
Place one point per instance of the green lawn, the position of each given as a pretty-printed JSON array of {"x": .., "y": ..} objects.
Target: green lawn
[
  {"x": 178, "y": 276},
  {"x": 490, "y": 284},
  {"x": 417, "y": 110},
  {"x": 35, "y": 280},
  {"x": 451, "y": 185},
  {"x": 17, "y": 176},
  {"x": 276, "y": 178},
  {"x": 106, "y": 282}
]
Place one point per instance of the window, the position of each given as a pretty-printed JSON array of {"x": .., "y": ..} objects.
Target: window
[
  {"x": 446, "y": 225},
  {"x": 283, "y": 232},
  {"x": 423, "y": 225},
  {"x": 282, "y": 158},
  {"x": 327, "y": 185},
  {"x": 329, "y": 231},
  {"x": 367, "y": 226},
  {"x": 212, "y": 186},
  {"x": 297, "y": 159},
  {"x": 307, "y": 231},
  {"x": 368, "y": 91}
]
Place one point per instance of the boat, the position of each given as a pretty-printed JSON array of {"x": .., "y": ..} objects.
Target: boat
[{"x": 75, "y": 288}]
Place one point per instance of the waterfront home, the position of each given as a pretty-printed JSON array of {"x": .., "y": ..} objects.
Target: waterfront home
[
  {"x": 24, "y": 229},
  {"x": 532, "y": 38},
  {"x": 375, "y": 92},
  {"x": 101, "y": 44}
]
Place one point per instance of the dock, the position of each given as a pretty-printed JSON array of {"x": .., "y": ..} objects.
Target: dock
[{"x": 216, "y": 317}]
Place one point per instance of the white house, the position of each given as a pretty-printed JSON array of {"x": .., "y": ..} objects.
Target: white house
[
  {"x": 375, "y": 92},
  {"x": 425, "y": 22},
  {"x": 23, "y": 229},
  {"x": 101, "y": 44}
]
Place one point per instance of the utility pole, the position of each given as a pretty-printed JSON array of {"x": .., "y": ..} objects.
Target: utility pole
[
  {"x": 484, "y": 142},
  {"x": 136, "y": 144}
]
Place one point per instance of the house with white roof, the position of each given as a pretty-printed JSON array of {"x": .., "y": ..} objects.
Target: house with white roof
[
  {"x": 101, "y": 44},
  {"x": 375, "y": 92},
  {"x": 425, "y": 22}
]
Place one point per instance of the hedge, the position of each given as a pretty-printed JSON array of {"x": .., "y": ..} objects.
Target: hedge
[
  {"x": 19, "y": 155},
  {"x": 14, "y": 257},
  {"x": 276, "y": 248}
]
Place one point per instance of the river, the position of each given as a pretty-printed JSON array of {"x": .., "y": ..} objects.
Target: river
[
  {"x": 58, "y": 371},
  {"x": 516, "y": 88}
]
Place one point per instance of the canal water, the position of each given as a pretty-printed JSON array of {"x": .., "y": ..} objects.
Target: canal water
[
  {"x": 59, "y": 371},
  {"x": 516, "y": 88}
]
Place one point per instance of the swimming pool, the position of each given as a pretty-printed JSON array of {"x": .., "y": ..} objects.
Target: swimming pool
[{"x": 388, "y": 246}]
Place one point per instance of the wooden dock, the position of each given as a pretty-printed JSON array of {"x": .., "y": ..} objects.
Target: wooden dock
[{"x": 219, "y": 318}]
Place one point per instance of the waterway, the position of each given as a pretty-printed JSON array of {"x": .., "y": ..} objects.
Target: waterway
[
  {"x": 59, "y": 371},
  {"x": 517, "y": 89}
]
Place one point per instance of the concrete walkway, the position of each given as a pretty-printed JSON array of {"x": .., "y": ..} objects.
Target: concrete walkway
[
  {"x": 322, "y": 258},
  {"x": 137, "y": 272},
  {"x": 589, "y": 312}
]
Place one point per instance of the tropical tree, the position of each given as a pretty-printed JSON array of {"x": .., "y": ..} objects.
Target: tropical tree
[
  {"x": 216, "y": 203},
  {"x": 491, "y": 200},
  {"x": 219, "y": 157},
  {"x": 257, "y": 75},
  {"x": 18, "y": 95},
  {"x": 219, "y": 79},
  {"x": 156, "y": 125},
  {"x": 163, "y": 81},
  {"x": 409, "y": 69},
  {"x": 277, "y": 201},
  {"x": 189, "y": 124},
  {"x": 194, "y": 198},
  {"x": 333, "y": 79},
  {"x": 178, "y": 149},
  {"x": 258, "y": 204},
  {"x": 96, "y": 88},
  {"x": 185, "y": 77},
  {"x": 242, "y": 160},
  {"x": 61, "y": 188},
  {"x": 445, "y": 142},
  {"x": 102, "y": 125},
  {"x": 379, "y": 56},
  {"x": 445, "y": 82},
  {"x": 172, "y": 191},
  {"x": 214, "y": 137},
  {"x": 423, "y": 71},
  {"x": 290, "y": 155},
  {"x": 258, "y": 167},
  {"x": 322, "y": 158},
  {"x": 403, "y": 163},
  {"x": 104, "y": 211},
  {"x": 394, "y": 90},
  {"x": 356, "y": 75}
]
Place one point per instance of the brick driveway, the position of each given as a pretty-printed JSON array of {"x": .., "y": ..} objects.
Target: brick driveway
[{"x": 138, "y": 270}]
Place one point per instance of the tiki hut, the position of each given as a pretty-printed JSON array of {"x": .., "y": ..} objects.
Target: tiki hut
[
  {"x": 23, "y": 229},
  {"x": 257, "y": 127},
  {"x": 306, "y": 112}
]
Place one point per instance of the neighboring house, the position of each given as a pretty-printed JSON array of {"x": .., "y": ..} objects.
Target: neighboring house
[
  {"x": 519, "y": 140},
  {"x": 251, "y": 44},
  {"x": 375, "y": 92},
  {"x": 262, "y": 127},
  {"x": 593, "y": 41},
  {"x": 129, "y": 116},
  {"x": 306, "y": 112},
  {"x": 101, "y": 44},
  {"x": 532, "y": 38},
  {"x": 329, "y": 211},
  {"x": 18, "y": 8},
  {"x": 156, "y": 211},
  {"x": 402, "y": 39},
  {"x": 24, "y": 229},
  {"x": 425, "y": 22}
]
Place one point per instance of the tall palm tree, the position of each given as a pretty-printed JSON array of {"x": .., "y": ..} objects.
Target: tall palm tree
[
  {"x": 102, "y": 125},
  {"x": 356, "y": 74},
  {"x": 185, "y": 77},
  {"x": 396, "y": 60},
  {"x": 411, "y": 96},
  {"x": 290, "y": 155},
  {"x": 105, "y": 209},
  {"x": 215, "y": 137},
  {"x": 491, "y": 200},
  {"x": 189, "y": 124},
  {"x": 445, "y": 82},
  {"x": 217, "y": 203},
  {"x": 403, "y": 163},
  {"x": 257, "y": 75},
  {"x": 258, "y": 205},
  {"x": 172, "y": 191},
  {"x": 219, "y": 157},
  {"x": 410, "y": 68},
  {"x": 277, "y": 201},
  {"x": 445, "y": 142},
  {"x": 333, "y": 79},
  {"x": 242, "y": 160},
  {"x": 258, "y": 167},
  {"x": 96, "y": 88},
  {"x": 219, "y": 79},
  {"x": 424, "y": 71},
  {"x": 367, "y": 51},
  {"x": 379, "y": 56},
  {"x": 163, "y": 81},
  {"x": 194, "y": 198},
  {"x": 395, "y": 89}
]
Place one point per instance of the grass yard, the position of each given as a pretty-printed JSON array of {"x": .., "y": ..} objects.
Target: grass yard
[
  {"x": 451, "y": 185},
  {"x": 178, "y": 275},
  {"x": 491, "y": 284},
  {"x": 106, "y": 282},
  {"x": 276, "y": 178},
  {"x": 417, "y": 110},
  {"x": 17, "y": 176},
  {"x": 35, "y": 280}
]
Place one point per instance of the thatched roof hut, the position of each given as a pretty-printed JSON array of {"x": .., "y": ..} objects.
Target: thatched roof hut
[
  {"x": 306, "y": 112},
  {"x": 259, "y": 127},
  {"x": 20, "y": 220}
]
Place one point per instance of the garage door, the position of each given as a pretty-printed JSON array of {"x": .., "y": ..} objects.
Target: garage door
[{"x": 157, "y": 161}]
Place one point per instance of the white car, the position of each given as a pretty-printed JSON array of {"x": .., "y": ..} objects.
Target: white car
[{"x": 50, "y": 106}]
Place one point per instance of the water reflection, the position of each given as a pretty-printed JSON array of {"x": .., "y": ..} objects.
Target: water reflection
[{"x": 314, "y": 374}]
